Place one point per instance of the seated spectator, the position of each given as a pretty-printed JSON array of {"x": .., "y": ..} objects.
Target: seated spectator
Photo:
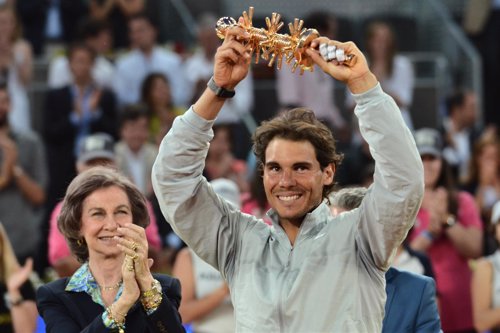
[
  {"x": 95, "y": 150},
  {"x": 205, "y": 298},
  {"x": 220, "y": 161},
  {"x": 147, "y": 57},
  {"x": 156, "y": 95},
  {"x": 459, "y": 130},
  {"x": 134, "y": 154},
  {"x": 117, "y": 13},
  {"x": 71, "y": 113},
  {"x": 255, "y": 201},
  {"x": 394, "y": 71},
  {"x": 485, "y": 285},
  {"x": 448, "y": 229},
  {"x": 483, "y": 182},
  {"x": 16, "y": 68},
  {"x": 18, "y": 311},
  {"x": 23, "y": 179},
  {"x": 97, "y": 36}
]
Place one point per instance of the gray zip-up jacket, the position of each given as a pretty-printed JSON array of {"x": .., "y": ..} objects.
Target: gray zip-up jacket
[{"x": 332, "y": 279}]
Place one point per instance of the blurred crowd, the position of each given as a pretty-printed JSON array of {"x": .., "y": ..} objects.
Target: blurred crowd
[{"x": 115, "y": 90}]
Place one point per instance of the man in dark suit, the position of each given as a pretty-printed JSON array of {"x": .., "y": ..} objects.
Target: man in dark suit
[
  {"x": 71, "y": 113},
  {"x": 411, "y": 303}
]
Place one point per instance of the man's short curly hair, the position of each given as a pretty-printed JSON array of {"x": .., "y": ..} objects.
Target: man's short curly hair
[
  {"x": 299, "y": 124},
  {"x": 69, "y": 221}
]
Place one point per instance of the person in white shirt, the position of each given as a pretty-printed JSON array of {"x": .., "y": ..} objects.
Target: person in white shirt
[
  {"x": 134, "y": 154},
  {"x": 144, "y": 58},
  {"x": 96, "y": 35}
]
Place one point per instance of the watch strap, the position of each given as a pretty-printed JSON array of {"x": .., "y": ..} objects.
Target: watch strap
[{"x": 219, "y": 91}]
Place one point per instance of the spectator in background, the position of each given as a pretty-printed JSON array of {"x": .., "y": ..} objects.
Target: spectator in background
[
  {"x": 95, "y": 150},
  {"x": 485, "y": 284},
  {"x": 134, "y": 154},
  {"x": 411, "y": 298},
  {"x": 205, "y": 300},
  {"x": 448, "y": 229},
  {"x": 117, "y": 12},
  {"x": 18, "y": 311},
  {"x": 97, "y": 36},
  {"x": 357, "y": 162},
  {"x": 71, "y": 113},
  {"x": 147, "y": 57},
  {"x": 482, "y": 23},
  {"x": 156, "y": 95},
  {"x": 394, "y": 71},
  {"x": 23, "y": 178},
  {"x": 220, "y": 161},
  {"x": 16, "y": 68},
  {"x": 314, "y": 90},
  {"x": 255, "y": 201},
  {"x": 459, "y": 131},
  {"x": 198, "y": 68},
  {"x": 483, "y": 181},
  {"x": 50, "y": 21}
]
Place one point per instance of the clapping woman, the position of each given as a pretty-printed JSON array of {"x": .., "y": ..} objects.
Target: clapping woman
[
  {"x": 17, "y": 307},
  {"x": 103, "y": 219}
]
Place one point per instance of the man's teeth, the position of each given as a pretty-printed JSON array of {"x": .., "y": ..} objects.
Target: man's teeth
[{"x": 289, "y": 197}]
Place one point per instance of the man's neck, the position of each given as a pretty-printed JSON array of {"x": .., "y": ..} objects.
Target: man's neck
[{"x": 291, "y": 229}]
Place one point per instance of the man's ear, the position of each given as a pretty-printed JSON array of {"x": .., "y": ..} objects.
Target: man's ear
[{"x": 328, "y": 174}]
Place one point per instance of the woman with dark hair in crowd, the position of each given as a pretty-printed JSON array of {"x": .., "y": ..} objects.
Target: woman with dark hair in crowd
[
  {"x": 157, "y": 96},
  {"x": 448, "y": 229},
  {"x": 17, "y": 308}
]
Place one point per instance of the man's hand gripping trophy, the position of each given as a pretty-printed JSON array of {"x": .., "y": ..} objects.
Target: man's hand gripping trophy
[{"x": 273, "y": 47}]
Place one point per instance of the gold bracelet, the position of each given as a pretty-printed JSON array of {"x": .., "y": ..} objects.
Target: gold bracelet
[
  {"x": 120, "y": 325},
  {"x": 152, "y": 298}
]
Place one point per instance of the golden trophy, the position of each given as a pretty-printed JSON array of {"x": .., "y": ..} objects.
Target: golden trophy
[{"x": 273, "y": 46}]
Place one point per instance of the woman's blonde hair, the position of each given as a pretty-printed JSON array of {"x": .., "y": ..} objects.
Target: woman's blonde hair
[{"x": 8, "y": 260}]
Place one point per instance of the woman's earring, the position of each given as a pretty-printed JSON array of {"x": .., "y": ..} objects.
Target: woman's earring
[{"x": 79, "y": 242}]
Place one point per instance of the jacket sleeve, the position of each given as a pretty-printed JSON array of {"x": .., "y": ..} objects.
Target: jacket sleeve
[
  {"x": 428, "y": 315},
  {"x": 389, "y": 208},
  {"x": 167, "y": 318},
  {"x": 206, "y": 223},
  {"x": 57, "y": 314}
]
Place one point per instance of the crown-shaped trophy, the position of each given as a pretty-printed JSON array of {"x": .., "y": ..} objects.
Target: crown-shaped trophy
[{"x": 273, "y": 46}]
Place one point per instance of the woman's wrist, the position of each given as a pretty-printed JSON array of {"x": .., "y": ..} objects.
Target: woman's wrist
[{"x": 146, "y": 283}]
